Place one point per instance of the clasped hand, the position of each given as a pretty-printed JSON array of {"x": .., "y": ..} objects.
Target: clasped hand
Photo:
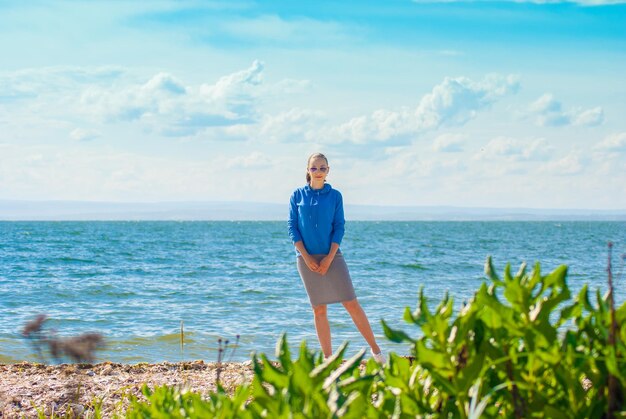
[{"x": 321, "y": 267}]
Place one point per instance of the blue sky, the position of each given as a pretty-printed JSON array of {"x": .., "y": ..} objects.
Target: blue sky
[{"x": 464, "y": 103}]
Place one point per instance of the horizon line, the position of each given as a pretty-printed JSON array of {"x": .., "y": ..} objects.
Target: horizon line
[{"x": 376, "y": 206}]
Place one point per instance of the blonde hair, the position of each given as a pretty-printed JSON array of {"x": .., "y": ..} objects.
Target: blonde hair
[{"x": 311, "y": 157}]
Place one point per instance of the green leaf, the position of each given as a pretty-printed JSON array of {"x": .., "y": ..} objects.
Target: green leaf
[
  {"x": 242, "y": 393},
  {"x": 536, "y": 279},
  {"x": 472, "y": 371},
  {"x": 556, "y": 278},
  {"x": 443, "y": 382},
  {"x": 422, "y": 313},
  {"x": 283, "y": 354},
  {"x": 583, "y": 297},
  {"x": 300, "y": 378},
  {"x": 547, "y": 331},
  {"x": 397, "y": 336},
  {"x": 408, "y": 316},
  {"x": 325, "y": 368},
  {"x": 306, "y": 357},
  {"x": 146, "y": 391},
  {"x": 445, "y": 308},
  {"x": 572, "y": 311},
  {"x": 521, "y": 272},
  {"x": 507, "y": 273},
  {"x": 351, "y": 403},
  {"x": 361, "y": 384},
  {"x": 346, "y": 367},
  {"x": 554, "y": 412},
  {"x": 273, "y": 375},
  {"x": 612, "y": 365},
  {"x": 491, "y": 318},
  {"x": 479, "y": 333},
  {"x": 432, "y": 359},
  {"x": 490, "y": 271}
]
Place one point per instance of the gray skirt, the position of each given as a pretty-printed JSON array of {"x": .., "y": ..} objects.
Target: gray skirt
[{"x": 334, "y": 287}]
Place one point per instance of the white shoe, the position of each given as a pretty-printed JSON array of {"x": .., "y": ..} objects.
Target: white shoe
[{"x": 379, "y": 357}]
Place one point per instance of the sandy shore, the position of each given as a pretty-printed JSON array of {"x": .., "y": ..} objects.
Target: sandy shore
[{"x": 26, "y": 387}]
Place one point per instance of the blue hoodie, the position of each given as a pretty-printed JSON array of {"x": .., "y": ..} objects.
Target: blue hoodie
[{"x": 316, "y": 218}]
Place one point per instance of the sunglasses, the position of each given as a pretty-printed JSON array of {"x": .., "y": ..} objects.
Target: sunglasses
[{"x": 322, "y": 169}]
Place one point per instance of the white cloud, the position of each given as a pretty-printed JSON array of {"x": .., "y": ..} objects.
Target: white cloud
[
  {"x": 451, "y": 103},
  {"x": 450, "y": 53},
  {"x": 549, "y": 112},
  {"x": 236, "y": 86},
  {"x": 253, "y": 160},
  {"x": 580, "y": 2},
  {"x": 11, "y": 93},
  {"x": 538, "y": 150},
  {"x": 545, "y": 104},
  {"x": 293, "y": 125},
  {"x": 589, "y": 117},
  {"x": 97, "y": 173},
  {"x": 292, "y": 86},
  {"x": 163, "y": 82},
  {"x": 598, "y": 2},
  {"x": 275, "y": 29},
  {"x": 613, "y": 143},
  {"x": 448, "y": 143},
  {"x": 571, "y": 164},
  {"x": 456, "y": 100},
  {"x": 80, "y": 134},
  {"x": 232, "y": 108},
  {"x": 231, "y": 100},
  {"x": 516, "y": 150},
  {"x": 36, "y": 82},
  {"x": 502, "y": 147},
  {"x": 381, "y": 125},
  {"x": 402, "y": 166},
  {"x": 506, "y": 155},
  {"x": 160, "y": 103}
]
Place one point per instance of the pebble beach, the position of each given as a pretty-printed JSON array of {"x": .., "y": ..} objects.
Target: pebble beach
[{"x": 27, "y": 389}]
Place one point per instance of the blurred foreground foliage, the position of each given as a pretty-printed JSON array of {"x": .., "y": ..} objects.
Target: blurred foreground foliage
[{"x": 521, "y": 347}]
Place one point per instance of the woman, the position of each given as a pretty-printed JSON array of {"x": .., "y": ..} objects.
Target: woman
[{"x": 316, "y": 227}]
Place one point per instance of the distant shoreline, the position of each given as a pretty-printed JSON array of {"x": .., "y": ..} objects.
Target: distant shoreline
[{"x": 11, "y": 210}]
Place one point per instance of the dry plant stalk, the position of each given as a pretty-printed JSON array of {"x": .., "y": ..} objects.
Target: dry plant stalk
[
  {"x": 613, "y": 388},
  {"x": 79, "y": 348}
]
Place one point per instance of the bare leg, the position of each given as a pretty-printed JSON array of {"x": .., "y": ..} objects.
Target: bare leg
[
  {"x": 360, "y": 320},
  {"x": 323, "y": 329}
]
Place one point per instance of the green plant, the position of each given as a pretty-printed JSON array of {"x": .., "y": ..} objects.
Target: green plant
[
  {"x": 172, "y": 402},
  {"x": 309, "y": 386},
  {"x": 513, "y": 336}
]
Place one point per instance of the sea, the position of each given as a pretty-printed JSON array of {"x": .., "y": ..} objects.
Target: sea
[{"x": 143, "y": 285}]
